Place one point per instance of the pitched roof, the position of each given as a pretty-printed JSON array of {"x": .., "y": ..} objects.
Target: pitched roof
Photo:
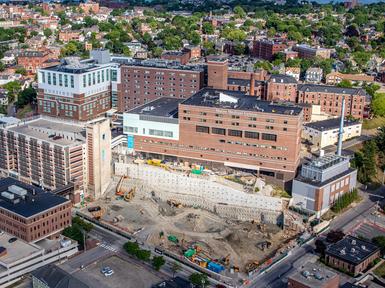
[{"x": 55, "y": 277}]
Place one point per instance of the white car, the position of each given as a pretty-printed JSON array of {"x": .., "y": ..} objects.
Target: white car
[{"x": 107, "y": 271}]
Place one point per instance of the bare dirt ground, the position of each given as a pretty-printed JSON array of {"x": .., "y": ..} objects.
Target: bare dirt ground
[{"x": 153, "y": 221}]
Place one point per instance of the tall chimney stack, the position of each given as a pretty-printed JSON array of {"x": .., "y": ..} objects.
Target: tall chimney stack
[{"x": 341, "y": 132}]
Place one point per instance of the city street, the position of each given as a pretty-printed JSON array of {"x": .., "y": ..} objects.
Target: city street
[{"x": 274, "y": 277}]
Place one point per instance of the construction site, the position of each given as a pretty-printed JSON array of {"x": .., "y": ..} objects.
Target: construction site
[{"x": 223, "y": 225}]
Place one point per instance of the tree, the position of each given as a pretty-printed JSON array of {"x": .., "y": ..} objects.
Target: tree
[
  {"x": 380, "y": 138},
  {"x": 131, "y": 248},
  {"x": 175, "y": 268},
  {"x": 143, "y": 254},
  {"x": 239, "y": 12},
  {"x": 47, "y": 32},
  {"x": 207, "y": 28},
  {"x": 21, "y": 71},
  {"x": 335, "y": 236},
  {"x": 378, "y": 104},
  {"x": 157, "y": 262},
  {"x": 25, "y": 97},
  {"x": 199, "y": 279},
  {"x": 320, "y": 246},
  {"x": 345, "y": 84},
  {"x": 157, "y": 52},
  {"x": 13, "y": 88},
  {"x": 380, "y": 242}
]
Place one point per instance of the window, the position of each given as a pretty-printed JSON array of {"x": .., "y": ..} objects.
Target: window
[
  {"x": 270, "y": 120},
  {"x": 98, "y": 76},
  {"x": 43, "y": 77},
  {"x": 131, "y": 129},
  {"x": 54, "y": 78},
  {"x": 235, "y": 133},
  {"x": 65, "y": 80},
  {"x": 269, "y": 137},
  {"x": 84, "y": 80},
  {"x": 108, "y": 74},
  {"x": 218, "y": 131},
  {"x": 93, "y": 78},
  {"x": 49, "y": 78},
  {"x": 60, "y": 80},
  {"x": 252, "y": 135},
  {"x": 72, "y": 81},
  {"x": 235, "y": 116},
  {"x": 89, "y": 79},
  {"x": 202, "y": 129},
  {"x": 102, "y": 75},
  {"x": 114, "y": 75}
]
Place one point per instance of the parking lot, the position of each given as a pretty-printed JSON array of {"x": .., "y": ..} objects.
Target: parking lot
[{"x": 126, "y": 274}]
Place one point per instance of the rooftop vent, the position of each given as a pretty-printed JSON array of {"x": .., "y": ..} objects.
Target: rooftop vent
[
  {"x": 17, "y": 190},
  {"x": 354, "y": 242},
  {"x": 8, "y": 195}
]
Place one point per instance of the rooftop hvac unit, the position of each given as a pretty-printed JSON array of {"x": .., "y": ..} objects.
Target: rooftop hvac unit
[
  {"x": 8, "y": 195},
  {"x": 17, "y": 190}
]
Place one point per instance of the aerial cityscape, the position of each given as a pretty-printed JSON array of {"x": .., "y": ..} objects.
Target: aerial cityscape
[{"x": 192, "y": 144}]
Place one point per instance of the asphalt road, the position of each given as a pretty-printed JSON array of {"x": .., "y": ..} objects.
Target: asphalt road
[{"x": 273, "y": 277}]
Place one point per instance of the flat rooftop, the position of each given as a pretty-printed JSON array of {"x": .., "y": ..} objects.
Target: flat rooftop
[
  {"x": 16, "y": 250},
  {"x": 32, "y": 200},
  {"x": 156, "y": 63},
  {"x": 45, "y": 130},
  {"x": 161, "y": 107},
  {"x": 352, "y": 250},
  {"x": 325, "y": 162},
  {"x": 331, "y": 89},
  {"x": 330, "y": 124},
  {"x": 313, "y": 275},
  {"x": 236, "y": 100}
]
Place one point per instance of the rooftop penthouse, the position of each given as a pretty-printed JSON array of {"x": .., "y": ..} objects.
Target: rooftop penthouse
[
  {"x": 155, "y": 63},
  {"x": 225, "y": 99}
]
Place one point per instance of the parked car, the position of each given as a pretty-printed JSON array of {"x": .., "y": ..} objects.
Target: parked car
[
  {"x": 107, "y": 271},
  {"x": 11, "y": 240}
]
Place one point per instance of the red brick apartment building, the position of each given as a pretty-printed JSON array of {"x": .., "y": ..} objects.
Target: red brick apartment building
[
  {"x": 281, "y": 88},
  {"x": 223, "y": 127},
  {"x": 266, "y": 49},
  {"x": 30, "y": 213},
  {"x": 181, "y": 56},
  {"x": 145, "y": 80},
  {"x": 33, "y": 60},
  {"x": 330, "y": 99}
]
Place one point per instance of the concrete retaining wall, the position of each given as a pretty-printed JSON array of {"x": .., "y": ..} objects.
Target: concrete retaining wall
[{"x": 197, "y": 192}]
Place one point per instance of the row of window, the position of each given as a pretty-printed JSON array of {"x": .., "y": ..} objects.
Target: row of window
[
  {"x": 236, "y": 133},
  {"x": 57, "y": 79}
]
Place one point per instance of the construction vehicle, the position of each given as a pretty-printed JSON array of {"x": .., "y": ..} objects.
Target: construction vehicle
[
  {"x": 154, "y": 162},
  {"x": 129, "y": 195},
  {"x": 200, "y": 261},
  {"x": 235, "y": 268},
  {"x": 226, "y": 260},
  {"x": 174, "y": 203},
  {"x": 118, "y": 190},
  {"x": 252, "y": 266},
  {"x": 97, "y": 212}
]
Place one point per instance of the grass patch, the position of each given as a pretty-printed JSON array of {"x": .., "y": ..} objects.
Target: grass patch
[
  {"x": 279, "y": 192},
  {"x": 373, "y": 123},
  {"x": 21, "y": 113},
  {"x": 380, "y": 270}
]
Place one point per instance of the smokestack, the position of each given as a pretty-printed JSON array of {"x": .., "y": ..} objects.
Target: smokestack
[{"x": 341, "y": 132}]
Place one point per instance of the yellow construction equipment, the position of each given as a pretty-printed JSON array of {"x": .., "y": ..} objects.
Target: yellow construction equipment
[
  {"x": 226, "y": 260},
  {"x": 129, "y": 195}
]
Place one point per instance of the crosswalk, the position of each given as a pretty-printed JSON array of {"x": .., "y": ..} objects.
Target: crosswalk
[{"x": 108, "y": 246}]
